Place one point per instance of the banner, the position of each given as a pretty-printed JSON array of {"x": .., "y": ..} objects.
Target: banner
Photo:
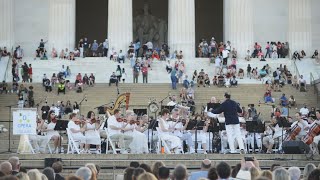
[{"x": 24, "y": 122}]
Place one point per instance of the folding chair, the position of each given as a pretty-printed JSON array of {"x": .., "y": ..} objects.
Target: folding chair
[
  {"x": 27, "y": 144},
  {"x": 110, "y": 142},
  {"x": 165, "y": 144},
  {"x": 73, "y": 145}
]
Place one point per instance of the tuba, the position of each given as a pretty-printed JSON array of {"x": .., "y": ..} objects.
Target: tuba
[{"x": 123, "y": 98}]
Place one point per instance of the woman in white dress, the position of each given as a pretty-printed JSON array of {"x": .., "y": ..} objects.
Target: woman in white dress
[
  {"x": 77, "y": 131},
  {"x": 52, "y": 134},
  {"x": 92, "y": 133},
  {"x": 165, "y": 132},
  {"x": 139, "y": 144}
]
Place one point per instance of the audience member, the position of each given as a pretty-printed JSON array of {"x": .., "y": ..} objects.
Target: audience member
[
  {"x": 294, "y": 173},
  {"x": 34, "y": 174},
  {"x": 15, "y": 163},
  {"x": 155, "y": 168},
  {"x": 57, "y": 167},
  {"x": 223, "y": 170},
  {"x": 84, "y": 173},
  {"x": 180, "y": 172},
  {"x": 308, "y": 169},
  {"x": 49, "y": 173},
  {"x": 6, "y": 168},
  {"x": 205, "y": 166},
  {"x": 146, "y": 167},
  {"x": 164, "y": 173},
  {"x": 146, "y": 176},
  {"x": 280, "y": 174}
]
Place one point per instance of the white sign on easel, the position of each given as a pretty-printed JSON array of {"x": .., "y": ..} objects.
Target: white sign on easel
[{"x": 24, "y": 121}]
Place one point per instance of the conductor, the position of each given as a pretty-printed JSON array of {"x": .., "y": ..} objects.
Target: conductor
[{"x": 231, "y": 109}]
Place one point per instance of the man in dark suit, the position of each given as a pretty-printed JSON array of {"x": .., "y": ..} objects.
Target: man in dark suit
[
  {"x": 15, "y": 163},
  {"x": 57, "y": 167},
  {"x": 230, "y": 109}
]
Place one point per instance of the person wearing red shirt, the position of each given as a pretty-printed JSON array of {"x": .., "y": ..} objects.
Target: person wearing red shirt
[
  {"x": 144, "y": 71},
  {"x": 30, "y": 73},
  {"x": 155, "y": 55}
]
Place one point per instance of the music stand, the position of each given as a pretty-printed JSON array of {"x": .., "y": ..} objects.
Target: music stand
[
  {"x": 222, "y": 126},
  {"x": 168, "y": 107},
  {"x": 212, "y": 128},
  {"x": 254, "y": 127},
  {"x": 61, "y": 125},
  {"x": 152, "y": 126},
  {"x": 283, "y": 123}
]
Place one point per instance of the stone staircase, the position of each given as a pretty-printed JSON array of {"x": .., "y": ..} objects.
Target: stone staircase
[
  {"x": 139, "y": 99},
  {"x": 102, "y": 68}
]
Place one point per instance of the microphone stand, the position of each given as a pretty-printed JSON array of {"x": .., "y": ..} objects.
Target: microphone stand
[
  {"x": 161, "y": 102},
  {"x": 80, "y": 104}
]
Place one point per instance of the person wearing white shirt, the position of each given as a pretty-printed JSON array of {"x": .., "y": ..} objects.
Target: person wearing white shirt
[
  {"x": 179, "y": 128},
  {"x": 304, "y": 110},
  {"x": 302, "y": 124},
  {"x": 228, "y": 46},
  {"x": 165, "y": 132},
  {"x": 77, "y": 131},
  {"x": 139, "y": 144},
  {"x": 115, "y": 130},
  {"x": 121, "y": 57},
  {"x": 316, "y": 139},
  {"x": 225, "y": 54},
  {"x": 173, "y": 101},
  {"x": 302, "y": 83},
  {"x": 105, "y": 48}
]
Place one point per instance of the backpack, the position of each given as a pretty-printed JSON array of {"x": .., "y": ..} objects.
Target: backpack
[{"x": 275, "y": 74}]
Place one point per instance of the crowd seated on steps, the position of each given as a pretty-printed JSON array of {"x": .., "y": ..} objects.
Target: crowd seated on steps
[{"x": 208, "y": 169}]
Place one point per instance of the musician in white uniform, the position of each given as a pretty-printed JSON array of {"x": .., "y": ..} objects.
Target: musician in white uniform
[
  {"x": 139, "y": 144},
  {"x": 115, "y": 130},
  {"x": 173, "y": 101},
  {"x": 92, "y": 133},
  {"x": 50, "y": 132},
  {"x": 165, "y": 132},
  {"x": 179, "y": 129},
  {"x": 316, "y": 139},
  {"x": 302, "y": 124},
  {"x": 77, "y": 131},
  {"x": 272, "y": 133}
]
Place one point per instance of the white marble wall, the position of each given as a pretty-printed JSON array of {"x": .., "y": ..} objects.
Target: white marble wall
[
  {"x": 315, "y": 24},
  {"x": 30, "y": 23},
  {"x": 6, "y": 23},
  {"x": 120, "y": 27},
  {"x": 270, "y": 20},
  {"x": 181, "y": 26},
  {"x": 62, "y": 24}
]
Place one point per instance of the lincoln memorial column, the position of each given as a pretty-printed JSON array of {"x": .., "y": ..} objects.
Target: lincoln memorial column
[
  {"x": 62, "y": 19},
  {"x": 181, "y": 26},
  {"x": 120, "y": 24},
  {"x": 299, "y": 35},
  {"x": 6, "y": 25},
  {"x": 240, "y": 23}
]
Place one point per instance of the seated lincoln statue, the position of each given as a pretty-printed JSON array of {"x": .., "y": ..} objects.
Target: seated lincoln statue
[{"x": 147, "y": 27}]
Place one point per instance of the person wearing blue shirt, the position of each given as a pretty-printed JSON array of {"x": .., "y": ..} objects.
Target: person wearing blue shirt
[
  {"x": 283, "y": 100},
  {"x": 203, "y": 173},
  {"x": 231, "y": 109}
]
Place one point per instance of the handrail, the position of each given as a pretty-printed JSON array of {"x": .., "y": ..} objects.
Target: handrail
[
  {"x": 9, "y": 60},
  {"x": 314, "y": 84},
  {"x": 296, "y": 70}
]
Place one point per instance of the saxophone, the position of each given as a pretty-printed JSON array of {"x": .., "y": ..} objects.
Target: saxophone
[{"x": 123, "y": 98}]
